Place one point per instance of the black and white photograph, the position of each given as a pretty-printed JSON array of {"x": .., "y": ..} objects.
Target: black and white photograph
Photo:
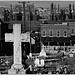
[{"x": 37, "y": 37}]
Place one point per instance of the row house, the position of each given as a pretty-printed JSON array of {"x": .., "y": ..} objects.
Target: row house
[{"x": 58, "y": 33}]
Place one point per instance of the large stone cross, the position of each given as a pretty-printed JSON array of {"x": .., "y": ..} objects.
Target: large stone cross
[{"x": 17, "y": 37}]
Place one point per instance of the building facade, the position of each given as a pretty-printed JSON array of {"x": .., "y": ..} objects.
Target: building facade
[{"x": 58, "y": 34}]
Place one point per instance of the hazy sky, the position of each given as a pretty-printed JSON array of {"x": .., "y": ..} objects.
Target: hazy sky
[{"x": 39, "y": 3}]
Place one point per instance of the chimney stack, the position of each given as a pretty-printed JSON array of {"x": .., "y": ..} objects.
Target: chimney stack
[
  {"x": 73, "y": 11},
  {"x": 58, "y": 12},
  {"x": 52, "y": 11},
  {"x": 52, "y": 7},
  {"x": 70, "y": 13},
  {"x": 69, "y": 8}
]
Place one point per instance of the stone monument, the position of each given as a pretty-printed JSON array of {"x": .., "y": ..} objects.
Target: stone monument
[{"x": 17, "y": 37}]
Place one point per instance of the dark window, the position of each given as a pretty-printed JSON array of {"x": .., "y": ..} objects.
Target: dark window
[
  {"x": 51, "y": 33},
  {"x": 65, "y": 33},
  {"x": 44, "y": 33},
  {"x": 72, "y": 31},
  {"x": 58, "y": 33}
]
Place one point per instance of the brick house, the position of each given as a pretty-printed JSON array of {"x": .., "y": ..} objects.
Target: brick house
[{"x": 58, "y": 33}]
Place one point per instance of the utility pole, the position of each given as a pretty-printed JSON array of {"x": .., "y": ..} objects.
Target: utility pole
[
  {"x": 30, "y": 27},
  {"x": 24, "y": 17}
]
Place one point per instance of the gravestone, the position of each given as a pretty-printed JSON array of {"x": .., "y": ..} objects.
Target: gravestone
[
  {"x": 42, "y": 53},
  {"x": 17, "y": 37}
]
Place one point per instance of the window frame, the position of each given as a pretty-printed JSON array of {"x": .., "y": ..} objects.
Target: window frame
[
  {"x": 65, "y": 33},
  {"x": 44, "y": 34},
  {"x": 59, "y": 33},
  {"x": 51, "y": 33},
  {"x": 72, "y": 31}
]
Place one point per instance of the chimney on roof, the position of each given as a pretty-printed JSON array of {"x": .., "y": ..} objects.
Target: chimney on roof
[
  {"x": 73, "y": 11},
  {"x": 70, "y": 13}
]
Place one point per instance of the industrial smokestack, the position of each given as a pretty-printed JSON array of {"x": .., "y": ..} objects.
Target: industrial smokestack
[
  {"x": 73, "y": 11},
  {"x": 52, "y": 7},
  {"x": 52, "y": 11},
  {"x": 70, "y": 14},
  {"x": 58, "y": 7},
  {"x": 69, "y": 8},
  {"x": 73, "y": 6},
  {"x": 11, "y": 12},
  {"x": 58, "y": 12}
]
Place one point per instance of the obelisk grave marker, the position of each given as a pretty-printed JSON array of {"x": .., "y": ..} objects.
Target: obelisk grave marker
[{"x": 17, "y": 37}]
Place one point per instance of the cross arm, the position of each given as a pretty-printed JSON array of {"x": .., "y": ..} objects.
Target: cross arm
[
  {"x": 9, "y": 37},
  {"x": 24, "y": 37}
]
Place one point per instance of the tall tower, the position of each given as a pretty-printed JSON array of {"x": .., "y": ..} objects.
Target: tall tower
[
  {"x": 52, "y": 12},
  {"x": 73, "y": 12},
  {"x": 70, "y": 13},
  {"x": 24, "y": 16},
  {"x": 11, "y": 13},
  {"x": 58, "y": 12},
  {"x": 52, "y": 8}
]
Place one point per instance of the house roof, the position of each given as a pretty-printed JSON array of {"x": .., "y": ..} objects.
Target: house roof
[{"x": 54, "y": 26}]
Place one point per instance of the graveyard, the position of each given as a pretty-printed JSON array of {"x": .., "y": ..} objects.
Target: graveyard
[
  {"x": 37, "y": 40},
  {"x": 40, "y": 63},
  {"x": 46, "y": 62}
]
